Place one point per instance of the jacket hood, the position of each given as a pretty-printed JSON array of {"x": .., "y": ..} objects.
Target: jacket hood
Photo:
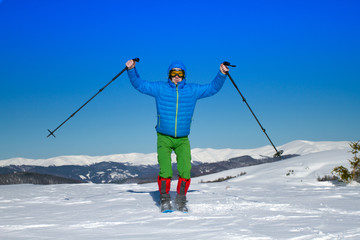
[{"x": 177, "y": 64}]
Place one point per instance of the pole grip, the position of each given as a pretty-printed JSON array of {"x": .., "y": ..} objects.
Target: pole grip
[{"x": 228, "y": 64}]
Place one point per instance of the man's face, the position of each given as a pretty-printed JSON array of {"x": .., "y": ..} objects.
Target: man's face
[{"x": 176, "y": 79}]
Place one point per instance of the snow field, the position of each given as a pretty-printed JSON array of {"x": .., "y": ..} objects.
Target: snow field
[{"x": 265, "y": 203}]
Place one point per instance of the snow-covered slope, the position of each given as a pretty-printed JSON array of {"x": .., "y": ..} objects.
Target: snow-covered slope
[
  {"x": 297, "y": 169},
  {"x": 199, "y": 155},
  {"x": 279, "y": 200}
]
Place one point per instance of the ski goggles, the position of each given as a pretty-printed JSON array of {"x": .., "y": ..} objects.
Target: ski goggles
[{"x": 180, "y": 73}]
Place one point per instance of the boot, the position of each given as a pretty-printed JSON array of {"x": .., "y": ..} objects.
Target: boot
[
  {"x": 180, "y": 203},
  {"x": 164, "y": 189},
  {"x": 165, "y": 203},
  {"x": 180, "y": 200}
]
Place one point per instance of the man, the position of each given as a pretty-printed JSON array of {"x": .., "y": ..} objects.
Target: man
[{"x": 175, "y": 103}]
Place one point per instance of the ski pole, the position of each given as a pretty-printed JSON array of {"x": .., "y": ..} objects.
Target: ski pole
[
  {"x": 52, "y": 132},
  {"x": 278, "y": 153}
]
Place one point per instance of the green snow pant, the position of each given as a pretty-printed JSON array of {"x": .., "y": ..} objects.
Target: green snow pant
[{"x": 181, "y": 147}]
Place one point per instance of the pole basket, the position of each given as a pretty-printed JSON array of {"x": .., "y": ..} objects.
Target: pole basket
[
  {"x": 51, "y": 133},
  {"x": 278, "y": 154}
]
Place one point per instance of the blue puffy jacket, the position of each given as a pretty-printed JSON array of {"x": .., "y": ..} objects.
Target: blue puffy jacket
[{"x": 175, "y": 104}]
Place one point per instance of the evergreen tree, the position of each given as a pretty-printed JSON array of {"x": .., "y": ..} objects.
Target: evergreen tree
[{"x": 354, "y": 175}]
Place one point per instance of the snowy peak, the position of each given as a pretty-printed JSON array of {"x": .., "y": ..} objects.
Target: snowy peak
[
  {"x": 207, "y": 155},
  {"x": 302, "y": 147}
]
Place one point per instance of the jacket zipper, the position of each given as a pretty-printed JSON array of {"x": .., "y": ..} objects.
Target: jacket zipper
[{"x": 177, "y": 106}]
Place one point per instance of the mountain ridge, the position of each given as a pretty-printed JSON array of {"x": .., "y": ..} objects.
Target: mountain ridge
[{"x": 204, "y": 155}]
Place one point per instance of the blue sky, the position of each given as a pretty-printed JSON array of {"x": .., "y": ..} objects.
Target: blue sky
[{"x": 297, "y": 66}]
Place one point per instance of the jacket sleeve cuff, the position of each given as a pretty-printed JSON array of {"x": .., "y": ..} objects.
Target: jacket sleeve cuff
[
  {"x": 133, "y": 72},
  {"x": 220, "y": 74}
]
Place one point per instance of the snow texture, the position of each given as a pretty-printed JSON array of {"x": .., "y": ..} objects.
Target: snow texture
[{"x": 279, "y": 200}]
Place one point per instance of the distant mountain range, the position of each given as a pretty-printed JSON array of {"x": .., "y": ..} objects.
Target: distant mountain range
[
  {"x": 113, "y": 172},
  {"x": 142, "y": 168}
]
